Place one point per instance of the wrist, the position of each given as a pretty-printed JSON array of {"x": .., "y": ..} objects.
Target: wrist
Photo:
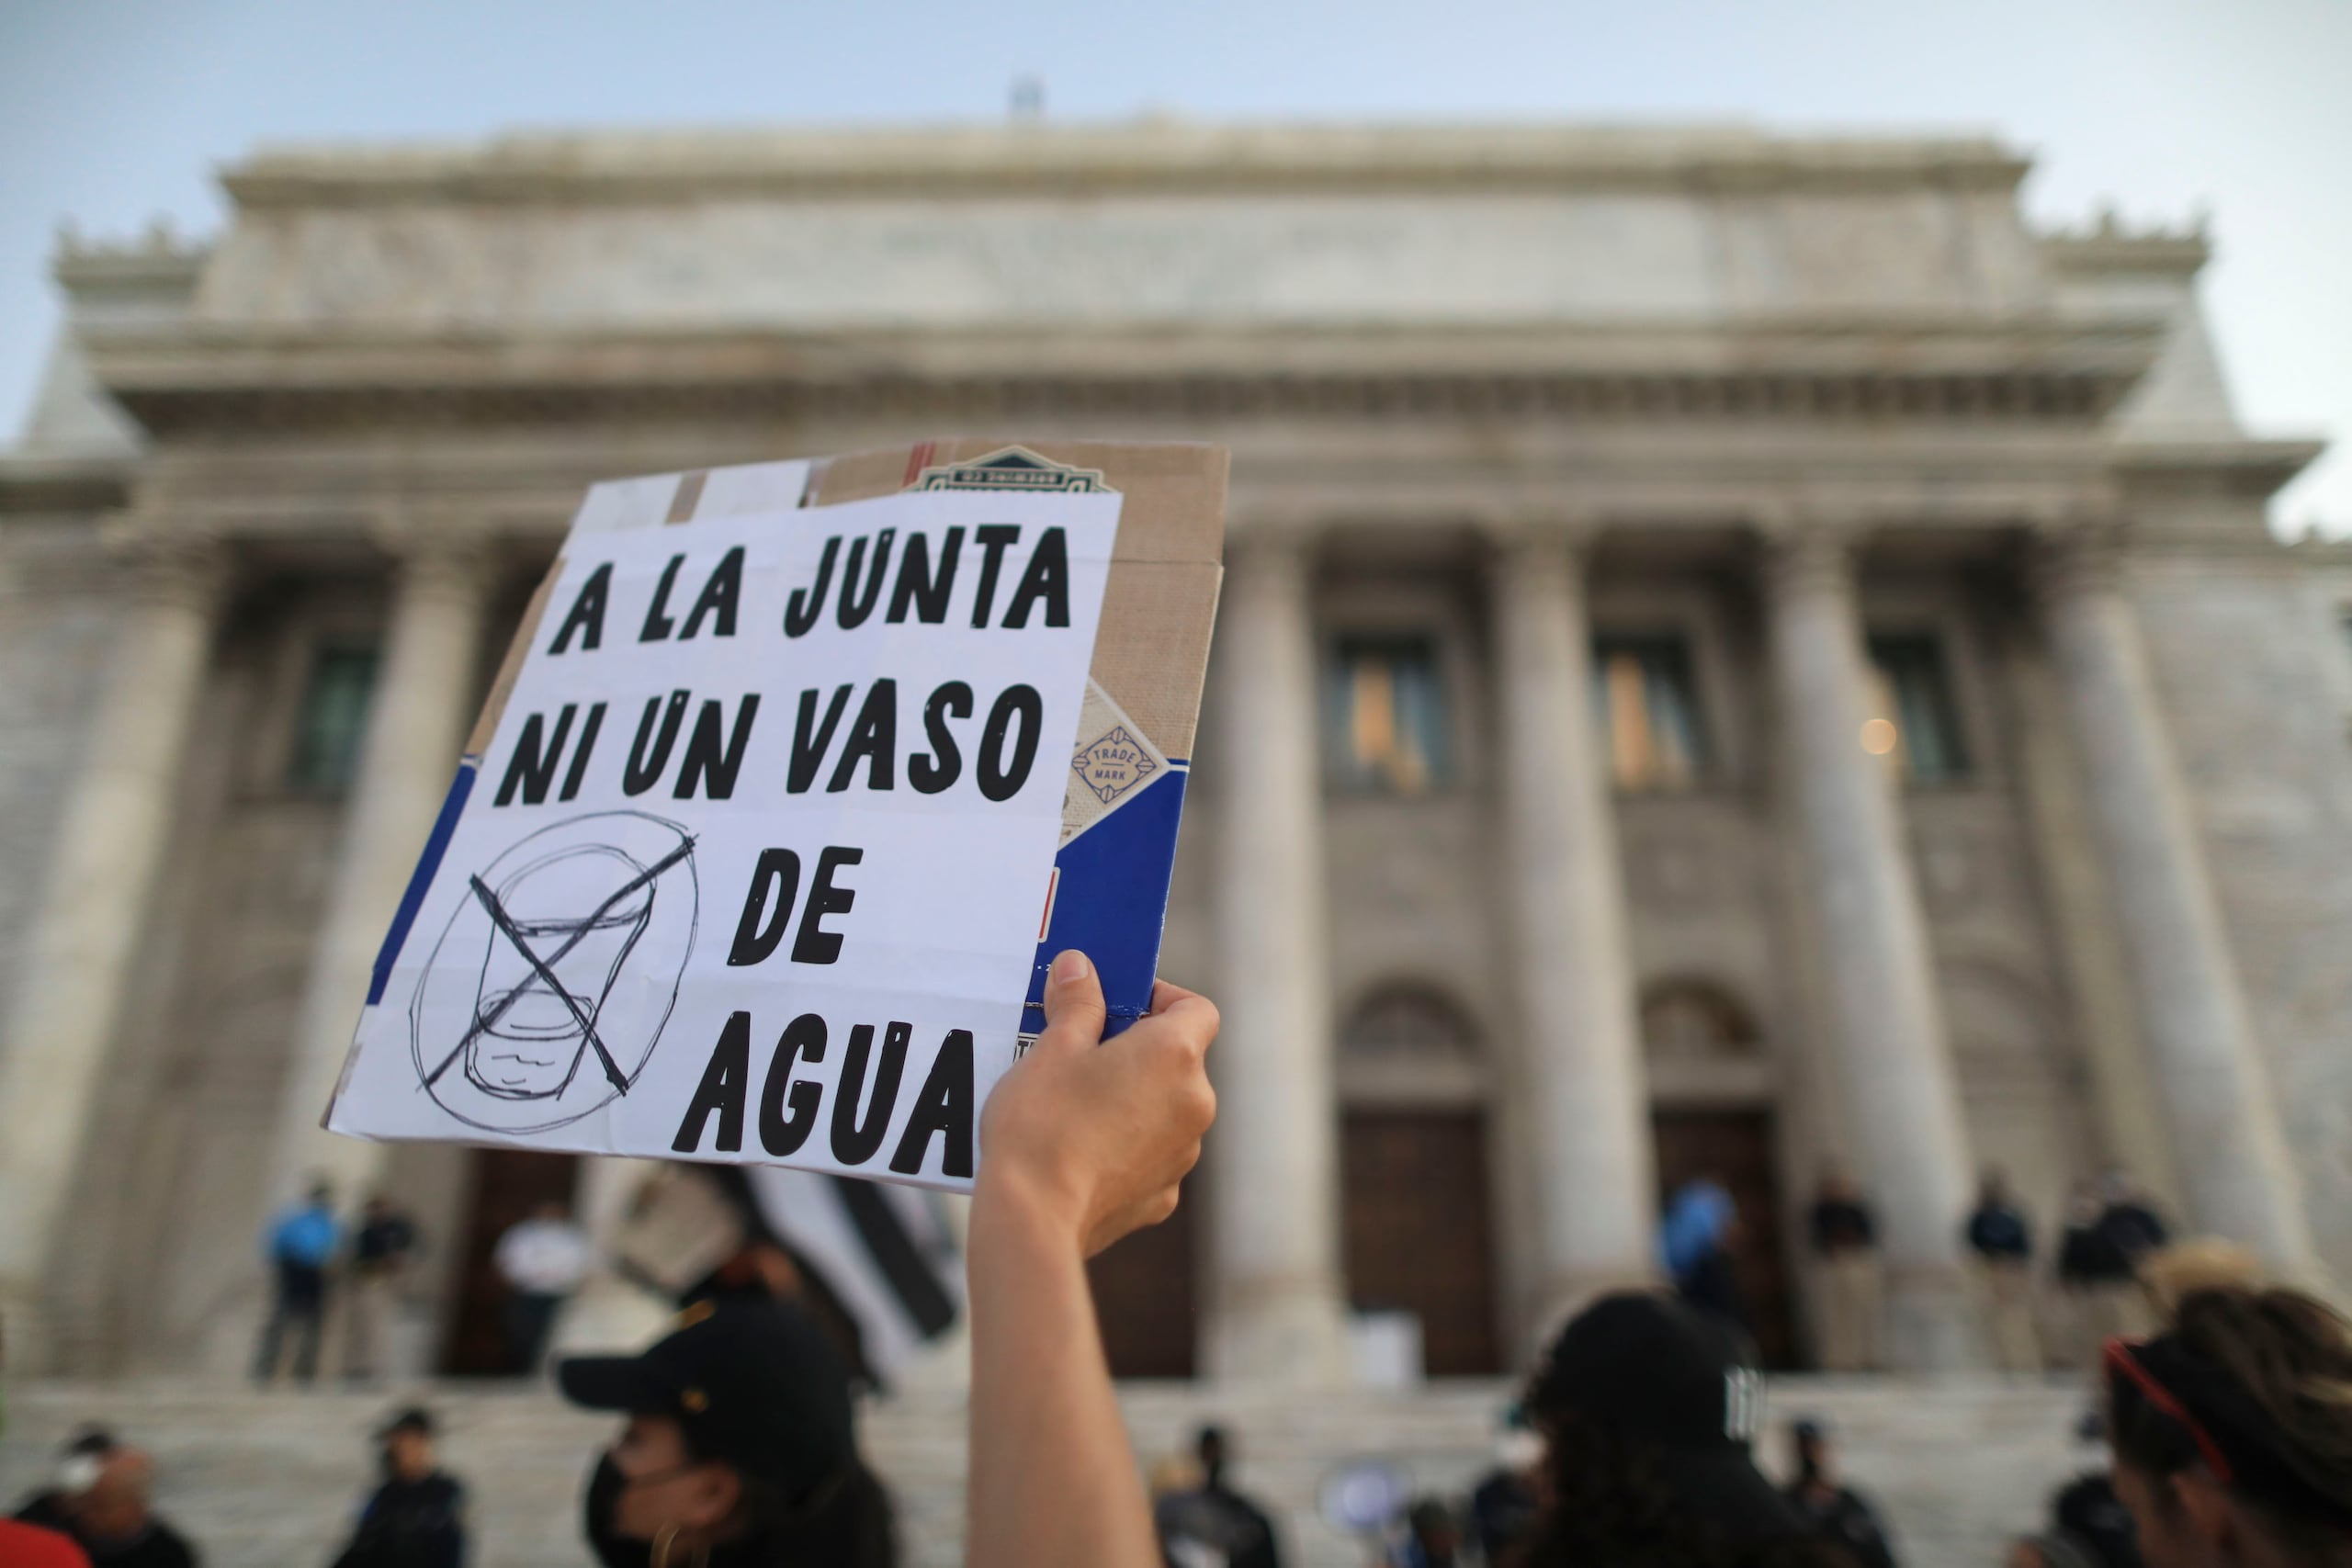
[{"x": 1010, "y": 1197}]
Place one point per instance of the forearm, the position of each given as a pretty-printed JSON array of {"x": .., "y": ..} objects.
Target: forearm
[{"x": 1053, "y": 1480}]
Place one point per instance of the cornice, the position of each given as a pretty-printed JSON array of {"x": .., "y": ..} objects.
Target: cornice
[
  {"x": 1129, "y": 157},
  {"x": 30, "y": 483},
  {"x": 194, "y": 377}
]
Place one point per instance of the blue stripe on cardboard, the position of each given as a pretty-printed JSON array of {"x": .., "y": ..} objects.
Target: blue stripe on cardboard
[
  {"x": 1112, "y": 901},
  {"x": 452, "y": 808}
]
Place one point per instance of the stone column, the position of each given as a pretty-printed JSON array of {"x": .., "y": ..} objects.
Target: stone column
[
  {"x": 1584, "y": 1105},
  {"x": 1278, "y": 1312},
  {"x": 82, "y": 961},
  {"x": 2228, "y": 1145},
  {"x": 415, "y": 725},
  {"x": 1869, "y": 939}
]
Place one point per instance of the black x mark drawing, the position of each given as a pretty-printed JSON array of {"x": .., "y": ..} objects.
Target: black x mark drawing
[{"x": 544, "y": 967}]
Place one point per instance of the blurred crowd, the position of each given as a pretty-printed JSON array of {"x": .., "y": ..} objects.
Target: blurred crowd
[{"x": 2223, "y": 1400}]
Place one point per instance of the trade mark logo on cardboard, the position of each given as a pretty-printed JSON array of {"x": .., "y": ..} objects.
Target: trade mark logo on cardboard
[
  {"x": 1012, "y": 467},
  {"x": 1115, "y": 763}
]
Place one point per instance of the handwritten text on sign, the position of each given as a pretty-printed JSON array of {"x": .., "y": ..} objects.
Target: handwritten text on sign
[{"x": 752, "y": 867}]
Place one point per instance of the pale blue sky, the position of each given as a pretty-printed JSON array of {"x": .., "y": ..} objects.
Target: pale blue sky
[{"x": 115, "y": 111}]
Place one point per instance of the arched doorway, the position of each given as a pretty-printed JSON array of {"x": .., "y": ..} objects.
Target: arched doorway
[
  {"x": 1417, "y": 1236},
  {"x": 1711, "y": 1120}
]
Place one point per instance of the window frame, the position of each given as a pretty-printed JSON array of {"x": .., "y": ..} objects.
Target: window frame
[{"x": 1707, "y": 766}]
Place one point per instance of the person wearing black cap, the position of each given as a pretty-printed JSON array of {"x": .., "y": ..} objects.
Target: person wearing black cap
[
  {"x": 1647, "y": 1410},
  {"x": 2232, "y": 1432},
  {"x": 738, "y": 1448},
  {"x": 417, "y": 1517},
  {"x": 1835, "y": 1511}
]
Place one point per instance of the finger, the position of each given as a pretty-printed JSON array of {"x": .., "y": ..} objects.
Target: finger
[
  {"x": 1074, "y": 1009},
  {"x": 1181, "y": 1018}
]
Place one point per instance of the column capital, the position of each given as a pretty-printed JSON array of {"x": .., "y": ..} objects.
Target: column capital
[
  {"x": 171, "y": 564},
  {"x": 1541, "y": 539},
  {"x": 1804, "y": 557},
  {"x": 2074, "y": 557},
  {"x": 437, "y": 553}
]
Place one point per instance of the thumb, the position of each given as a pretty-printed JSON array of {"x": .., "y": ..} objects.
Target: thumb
[{"x": 1074, "y": 1009}]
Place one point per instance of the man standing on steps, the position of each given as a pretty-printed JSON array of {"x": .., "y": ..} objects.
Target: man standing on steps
[
  {"x": 542, "y": 1259},
  {"x": 379, "y": 1258},
  {"x": 302, "y": 1244},
  {"x": 2003, "y": 1243},
  {"x": 1845, "y": 1241},
  {"x": 1215, "y": 1517}
]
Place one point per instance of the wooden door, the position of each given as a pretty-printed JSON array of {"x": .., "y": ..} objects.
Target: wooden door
[
  {"x": 1143, "y": 1297},
  {"x": 1734, "y": 1149},
  {"x": 1418, "y": 1236},
  {"x": 507, "y": 1185}
]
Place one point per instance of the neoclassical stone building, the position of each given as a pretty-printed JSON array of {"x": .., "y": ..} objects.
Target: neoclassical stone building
[{"x": 1737, "y": 654}]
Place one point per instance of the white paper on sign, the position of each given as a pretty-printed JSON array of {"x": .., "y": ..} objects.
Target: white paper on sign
[{"x": 751, "y": 869}]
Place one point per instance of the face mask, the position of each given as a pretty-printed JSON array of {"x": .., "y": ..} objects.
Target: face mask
[{"x": 599, "y": 1504}]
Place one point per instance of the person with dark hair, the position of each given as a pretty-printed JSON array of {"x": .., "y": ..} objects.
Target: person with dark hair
[
  {"x": 1647, "y": 1410},
  {"x": 1835, "y": 1511},
  {"x": 1694, "y": 1241},
  {"x": 2002, "y": 1239},
  {"x": 1433, "y": 1536},
  {"x": 417, "y": 1517},
  {"x": 1853, "y": 1296},
  {"x": 2231, "y": 1432},
  {"x": 738, "y": 1449},
  {"x": 100, "y": 1502},
  {"x": 1213, "y": 1515},
  {"x": 302, "y": 1244},
  {"x": 1503, "y": 1504},
  {"x": 380, "y": 1251}
]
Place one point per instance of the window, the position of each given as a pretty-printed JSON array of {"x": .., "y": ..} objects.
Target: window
[
  {"x": 333, "y": 718},
  {"x": 1385, "y": 727},
  {"x": 1914, "y": 721},
  {"x": 1647, "y": 708}
]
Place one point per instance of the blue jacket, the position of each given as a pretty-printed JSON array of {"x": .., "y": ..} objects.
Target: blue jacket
[{"x": 305, "y": 1237}]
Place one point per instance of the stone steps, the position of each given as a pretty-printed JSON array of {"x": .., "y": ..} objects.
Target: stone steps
[{"x": 271, "y": 1481}]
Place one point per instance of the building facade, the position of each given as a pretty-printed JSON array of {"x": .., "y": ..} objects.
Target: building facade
[{"x": 1738, "y": 656}]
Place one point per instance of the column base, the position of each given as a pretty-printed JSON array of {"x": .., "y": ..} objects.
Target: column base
[
  {"x": 1294, "y": 1337},
  {"x": 27, "y": 1345},
  {"x": 1935, "y": 1323}
]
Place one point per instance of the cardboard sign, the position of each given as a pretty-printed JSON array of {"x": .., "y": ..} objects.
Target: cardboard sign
[{"x": 794, "y": 779}]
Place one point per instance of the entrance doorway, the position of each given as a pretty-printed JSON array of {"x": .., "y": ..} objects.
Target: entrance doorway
[
  {"x": 1418, "y": 1236},
  {"x": 1143, "y": 1297},
  {"x": 1735, "y": 1150},
  {"x": 507, "y": 1185}
]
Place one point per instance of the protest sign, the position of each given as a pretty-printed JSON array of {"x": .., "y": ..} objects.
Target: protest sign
[{"x": 796, "y": 777}]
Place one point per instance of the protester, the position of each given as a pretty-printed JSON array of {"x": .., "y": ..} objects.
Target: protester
[
  {"x": 1503, "y": 1503},
  {"x": 2002, "y": 1239},
  {"x": 417, "y": 1517},
  {"x": 2089, "y": 1527},
  {"x": 302, "y": 1242},
  {"x": 1836, "y": 1512},
  {"x": 1433, "y": 1536},
  {"x": 1648, "y": 1409},
  {"x": 2231, "y": 1432},
  {"x": 101, "y": 1503},
  {"x": 1216, "y": 1518},
  {"x": 738, "y": 1449},
  {"x": 381, "y": 1251},
  {"x": 1695, "y": 1239},
  {"x": 542, "y": 1258},
  {"x": 1079, "y": 1146},
  {"x": 1845, "y": 1247}
]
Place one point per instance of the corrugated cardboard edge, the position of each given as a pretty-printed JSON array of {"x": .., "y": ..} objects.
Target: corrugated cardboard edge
[{"x": 1160, "y": 606}]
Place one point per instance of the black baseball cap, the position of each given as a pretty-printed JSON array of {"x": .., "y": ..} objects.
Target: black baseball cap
[
  {"x": 753, "y": 1383},
  {"x": 415, "y": 1418},
  {"x": 1650, "y": 1369}
]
